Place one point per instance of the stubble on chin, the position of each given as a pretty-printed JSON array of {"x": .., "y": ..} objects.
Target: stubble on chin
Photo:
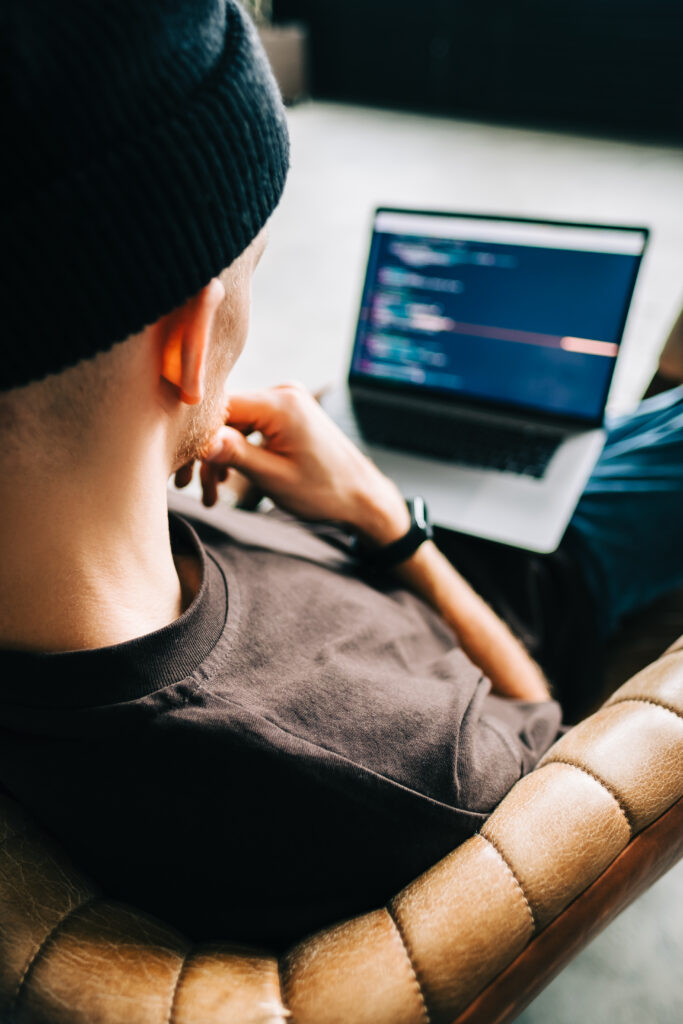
[{"x": 203, "y": 422}]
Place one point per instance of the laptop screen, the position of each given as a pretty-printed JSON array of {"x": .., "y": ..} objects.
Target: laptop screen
[{"x": 520, "y": 313}]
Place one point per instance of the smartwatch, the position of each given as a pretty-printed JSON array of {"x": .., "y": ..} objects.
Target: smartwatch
[{"x": 400, "y": 550}]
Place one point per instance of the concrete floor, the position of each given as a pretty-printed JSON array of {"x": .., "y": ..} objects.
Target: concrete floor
[
  {"x": 347, "y": 160},
  {"x": 630, "y": 974}
]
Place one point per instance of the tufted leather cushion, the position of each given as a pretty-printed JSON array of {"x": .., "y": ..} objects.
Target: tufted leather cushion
[{"x": 454, "y": 942}]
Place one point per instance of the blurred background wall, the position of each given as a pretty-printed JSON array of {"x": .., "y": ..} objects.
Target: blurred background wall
[{"x": 607, "y": 65}]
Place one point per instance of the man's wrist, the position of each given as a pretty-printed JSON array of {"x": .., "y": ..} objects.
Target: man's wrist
[
  {"x": 381, "y": 522},
  {"x": 395, "y": 553}
]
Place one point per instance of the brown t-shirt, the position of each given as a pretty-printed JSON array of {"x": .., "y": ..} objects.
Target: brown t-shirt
[{"x": 292, "y": 750}]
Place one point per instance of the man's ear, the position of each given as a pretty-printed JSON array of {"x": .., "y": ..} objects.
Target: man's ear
[{"x": 183, "y": 337}]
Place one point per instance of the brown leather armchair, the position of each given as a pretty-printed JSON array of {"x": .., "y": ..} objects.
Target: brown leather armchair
[{"x": 471, "y": 940}]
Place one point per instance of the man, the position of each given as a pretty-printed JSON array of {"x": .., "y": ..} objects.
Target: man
[{"x": 239, "y": 722}]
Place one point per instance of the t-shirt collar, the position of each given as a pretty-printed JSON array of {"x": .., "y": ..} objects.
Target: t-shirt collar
[{"x": 108, "y": 675}]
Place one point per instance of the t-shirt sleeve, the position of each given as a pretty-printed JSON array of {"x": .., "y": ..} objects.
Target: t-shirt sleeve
[{"x": 500, "y": 741}]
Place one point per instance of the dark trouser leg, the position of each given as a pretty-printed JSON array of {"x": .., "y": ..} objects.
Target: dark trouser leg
[
  {"x": 627, "y": 531},
  {"x": 622, "y": 550}
]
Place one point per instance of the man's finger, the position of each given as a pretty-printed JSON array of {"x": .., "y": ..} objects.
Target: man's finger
[
  {"x": 255, "y": 410},
  {"x": 231, "y": 448},
  {"x": 184, "y": 475},
  {"x": 209, "y": 484}
]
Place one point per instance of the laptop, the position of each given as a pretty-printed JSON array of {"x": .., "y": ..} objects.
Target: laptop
[{"x": 483, "y": 356}]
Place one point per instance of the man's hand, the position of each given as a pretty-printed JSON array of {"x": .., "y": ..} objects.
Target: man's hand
[
  {"x": 305, "y": 463},
  {"x": 309, "y": 467}
]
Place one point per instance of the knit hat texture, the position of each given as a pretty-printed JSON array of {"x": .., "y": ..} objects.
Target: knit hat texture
[{"x": 144, "y": 147}]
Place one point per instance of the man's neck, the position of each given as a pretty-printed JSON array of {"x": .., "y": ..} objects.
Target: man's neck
[{"x": 87, "y": 563}]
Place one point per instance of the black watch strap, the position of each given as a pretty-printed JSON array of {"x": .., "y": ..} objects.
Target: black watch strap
[{"x": 399, "y": 550}]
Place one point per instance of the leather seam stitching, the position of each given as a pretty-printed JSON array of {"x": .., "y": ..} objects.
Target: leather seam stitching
[
  {"x": 176, "y": 987},
  {"x": 285, "y": 975},
  {"x": 646, "y": 700},
  {"x": 601, "y": 782},
  {"x": 413, "y": 970},
  {"x": 40, "y": 948},
  {"x": 519, "y": 885},
  {"x": 286, "y": 1014}
]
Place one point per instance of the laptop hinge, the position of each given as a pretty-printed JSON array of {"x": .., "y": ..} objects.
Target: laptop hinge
[{"x": 462, "y": 409}]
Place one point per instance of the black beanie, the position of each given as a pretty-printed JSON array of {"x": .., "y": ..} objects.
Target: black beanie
[{"x": 144, "y": 147}]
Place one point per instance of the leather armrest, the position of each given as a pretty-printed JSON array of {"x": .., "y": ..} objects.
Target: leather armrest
[{"x": 442, "y": 946}]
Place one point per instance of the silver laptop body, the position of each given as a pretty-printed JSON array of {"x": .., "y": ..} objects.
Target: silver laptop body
[{"x": 482, "y": 361}]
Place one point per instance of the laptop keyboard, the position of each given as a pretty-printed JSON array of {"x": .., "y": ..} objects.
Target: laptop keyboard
[{"x": 463, "y": 440}]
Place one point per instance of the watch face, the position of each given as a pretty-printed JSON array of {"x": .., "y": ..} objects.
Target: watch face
[{"x": 418, "y": 511}]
